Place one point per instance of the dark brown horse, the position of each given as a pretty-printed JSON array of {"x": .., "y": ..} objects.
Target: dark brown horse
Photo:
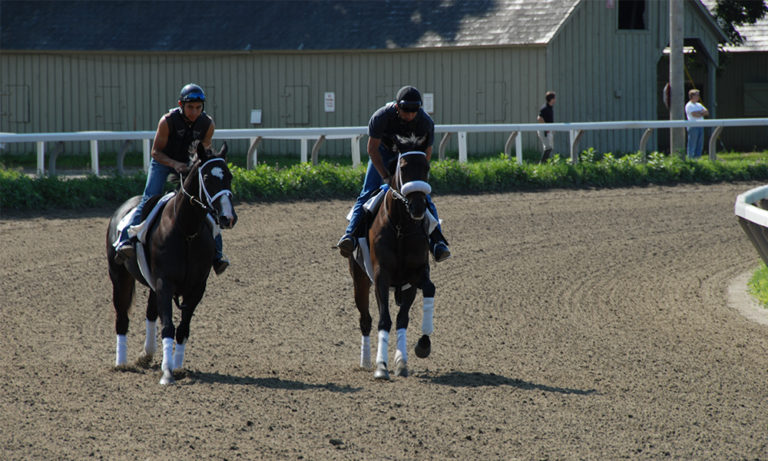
[
  {"x": 179, "y": 251},
  {"x": 399, "y": 250}
]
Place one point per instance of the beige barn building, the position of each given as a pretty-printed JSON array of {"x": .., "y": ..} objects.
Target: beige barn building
[{"x": 98, "y": 65}]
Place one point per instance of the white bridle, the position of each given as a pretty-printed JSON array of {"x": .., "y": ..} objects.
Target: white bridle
[{"x": 412, "y": 186}]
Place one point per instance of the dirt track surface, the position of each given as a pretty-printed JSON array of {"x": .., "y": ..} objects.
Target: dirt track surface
[{"x": 568, "y": 325}]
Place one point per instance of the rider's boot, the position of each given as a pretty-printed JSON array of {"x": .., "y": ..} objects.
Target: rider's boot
[
  {"x": 439, "y": 246},
  {"x": 347, "y": 244},
  {"x": 220, "y": 263},
  {"x": 125, "y": 250}
]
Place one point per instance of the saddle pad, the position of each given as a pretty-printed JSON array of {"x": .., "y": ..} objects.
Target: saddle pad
[{"x": 140, "y": 230}]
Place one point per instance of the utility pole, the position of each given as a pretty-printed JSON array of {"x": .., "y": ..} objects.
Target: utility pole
[{"x": 676, "y": 82}]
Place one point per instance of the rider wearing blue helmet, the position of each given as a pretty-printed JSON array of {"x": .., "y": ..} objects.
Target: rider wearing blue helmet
[
  {"x": 397, "y": 127},
  {"x": 178, "y": 134}
]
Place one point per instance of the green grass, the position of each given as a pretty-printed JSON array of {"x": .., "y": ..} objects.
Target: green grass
[{"x": 758, "y": 285}]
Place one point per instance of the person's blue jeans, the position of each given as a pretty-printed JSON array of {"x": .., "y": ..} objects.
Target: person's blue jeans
[
  {"x": 156, "y": 178},
  {"x": 372, "y": 183},
  {"x": 695, "y": 142}
]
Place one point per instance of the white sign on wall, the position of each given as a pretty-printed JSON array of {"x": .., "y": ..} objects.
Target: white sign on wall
[
  {"x": 329, "y": 101},
  {"x": 256, "y": 116},
  {"x": 429, "y": 103}
]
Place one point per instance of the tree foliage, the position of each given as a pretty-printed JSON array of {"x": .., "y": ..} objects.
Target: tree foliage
[{"x": 733, "y": 13}]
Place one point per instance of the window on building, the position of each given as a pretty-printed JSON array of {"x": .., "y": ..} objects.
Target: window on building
[{"x": 632, "y": 14}]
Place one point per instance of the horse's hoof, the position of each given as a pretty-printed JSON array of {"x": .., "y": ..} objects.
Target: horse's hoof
[
  {"x": 366, "y": 364},
  {"x": 381, "y": 371},
  {"x": 401, "y": 369},
  {"x": 167, "y": 378},
  {"x": 144, "y": 360},
  {"x": 423, "y": 347}
]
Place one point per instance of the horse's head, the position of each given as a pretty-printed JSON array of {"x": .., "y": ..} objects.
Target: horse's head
[
  {"x": 411, "y": 182},
  {"x": 215, "y": 184}
]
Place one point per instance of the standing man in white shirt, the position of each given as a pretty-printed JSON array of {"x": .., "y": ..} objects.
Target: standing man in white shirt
[{"x": 695, "y": 110}]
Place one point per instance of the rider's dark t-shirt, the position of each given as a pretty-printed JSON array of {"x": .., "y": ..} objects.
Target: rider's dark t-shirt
[
  {"x": 182, "y": 134},
  {"x": 399, "y": 136}
]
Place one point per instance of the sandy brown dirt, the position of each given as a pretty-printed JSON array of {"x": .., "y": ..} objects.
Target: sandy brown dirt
[{"x": 587, "y": 324}]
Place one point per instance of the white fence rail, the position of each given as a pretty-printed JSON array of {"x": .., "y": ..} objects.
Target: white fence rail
[
  {"x": 354, "y": 134},
  {"x": 752, "y": 211}
]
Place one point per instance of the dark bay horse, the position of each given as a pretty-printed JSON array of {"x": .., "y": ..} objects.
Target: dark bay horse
[
  {"x": 399, "y": 250},
  {"x": 180, "y": 251}
]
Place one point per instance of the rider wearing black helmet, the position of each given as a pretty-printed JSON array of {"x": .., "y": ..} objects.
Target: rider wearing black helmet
[
  {"x": 178, "y": 134},
  {"x": 398, "y": 127}
]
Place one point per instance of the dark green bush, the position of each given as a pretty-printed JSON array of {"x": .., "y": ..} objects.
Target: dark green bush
[{"x": 326, "y": 180}]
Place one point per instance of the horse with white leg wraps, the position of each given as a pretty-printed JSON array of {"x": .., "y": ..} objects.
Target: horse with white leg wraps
[
  {"x": 398, "y": 248},
  {"x": 174, "y": 259}
]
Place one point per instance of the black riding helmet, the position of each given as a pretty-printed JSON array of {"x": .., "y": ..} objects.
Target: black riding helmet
[
  {"x": 192, "y": 93},
  {"x": 408, "y": 99}
]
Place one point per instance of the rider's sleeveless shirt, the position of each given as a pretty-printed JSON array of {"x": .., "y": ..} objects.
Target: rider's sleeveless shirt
[{"x": 182, "y": 134}]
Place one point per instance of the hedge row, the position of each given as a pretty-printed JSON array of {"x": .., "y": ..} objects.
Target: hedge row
[{"x": 19, "y": 191}]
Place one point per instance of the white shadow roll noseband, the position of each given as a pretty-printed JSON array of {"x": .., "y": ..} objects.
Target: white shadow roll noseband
[
  {"x": 413, "y": 186},
  {"x": 416, "y": 186}
]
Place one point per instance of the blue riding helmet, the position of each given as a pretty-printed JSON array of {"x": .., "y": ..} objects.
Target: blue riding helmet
[{"x": 192, "y": 92}]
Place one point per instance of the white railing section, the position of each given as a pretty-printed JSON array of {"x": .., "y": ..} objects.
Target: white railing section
[
  {"x": 751, "y": 211},
  {"x": 354, "y": 134}
]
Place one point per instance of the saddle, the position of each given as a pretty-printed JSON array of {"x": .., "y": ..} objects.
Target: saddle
[
  {"x": 362, "y": 254},
  {"x": 152, "y": 209}
]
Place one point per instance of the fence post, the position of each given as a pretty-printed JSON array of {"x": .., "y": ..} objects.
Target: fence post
[
  {"x": 713, "y": 142},
  {"x": 462, "y": 147},
  {"x": 146, "y": 152},
  {"x": 575, "y": 138},
  {"x": 316, "y": 148},
  {"x": 443, "y": 145},
  {"x": 252, "y": 156},
  {"x": 519, "y": 149},
  {"x": 356, "y": 151},
  {"x": 303, "y": 150},
  {"x": 40, "y": 158},
  {"x": 95, "y": 157},
  {"x": 644, "y": 142}
]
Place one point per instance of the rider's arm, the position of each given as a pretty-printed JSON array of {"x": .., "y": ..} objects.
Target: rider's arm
[
  {"x": 428, "y": 151},
  {"x": 373, "y": 153},
  {"x": 208, "y": 136},
  {"x": 161, "y": 139}
]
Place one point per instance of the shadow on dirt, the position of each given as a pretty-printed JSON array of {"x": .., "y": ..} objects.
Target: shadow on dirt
[
  {"x": 270, "y": 383},
  {"x": 462, "y": 379}
]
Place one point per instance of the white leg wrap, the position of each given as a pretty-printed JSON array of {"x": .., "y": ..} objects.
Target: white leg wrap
[
  {"x": 381, "y": 352},
  {"x": 428, "y": 311},
  {"x": 167, "y": 354},
  {"x": 401, "y": 344},
  {"x": 121, "y": 351},
  {"x": 178, "y": 356},
  {"x": 365, "y": 352},
  {"x": 150, "y": 340}
]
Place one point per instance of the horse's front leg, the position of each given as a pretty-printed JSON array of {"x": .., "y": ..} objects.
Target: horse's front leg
[
  {"x": 385, "y": 324},
  {"x": 165, "y": 292},
  {"x": 182, "y": 332},
  {"x": 424, "y": 346},
  {"x": 404, "y": 301}
]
